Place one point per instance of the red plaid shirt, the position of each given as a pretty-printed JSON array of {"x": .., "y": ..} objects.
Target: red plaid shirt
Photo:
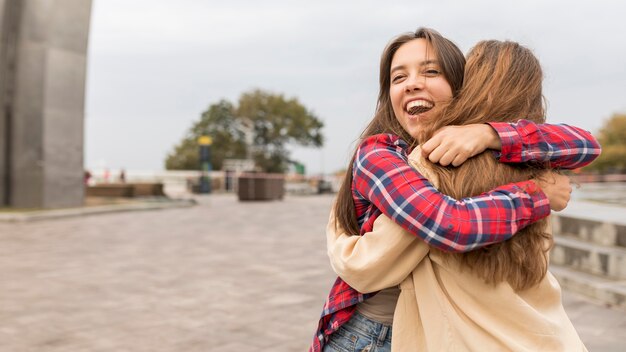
[{"x": 383, "y": 182}]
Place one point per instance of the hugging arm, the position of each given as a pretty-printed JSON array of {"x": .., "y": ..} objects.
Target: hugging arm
[
  {"x": 557, "y": 146},
  {"x": 560, "y": 145},
  {"x": 386, "y": 255},
  {"x": 383, "y": 177}
]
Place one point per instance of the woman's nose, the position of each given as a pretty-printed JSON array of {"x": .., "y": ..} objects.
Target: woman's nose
[{"x": 415, "y": 83}]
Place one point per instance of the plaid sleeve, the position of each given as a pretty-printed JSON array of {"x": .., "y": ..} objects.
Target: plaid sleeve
[
  {"x": 383, "y": 176},
  {"x": 560, "y": 145}
]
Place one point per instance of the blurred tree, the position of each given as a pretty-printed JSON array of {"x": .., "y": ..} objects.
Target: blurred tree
[
  {"x": 261, "y": 127},
  {"x": 275, "y": 123},
  {"x": 218, "y": 122},
  {"x": 612, "y": 138}
]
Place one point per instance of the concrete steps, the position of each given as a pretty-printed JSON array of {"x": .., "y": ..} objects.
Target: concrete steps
[
  {"x": 606, "y": 291},
  {"x": 604, "y": 232},
  {"x": 605, "y": 261},
  {"x": 589, "y": 256}
]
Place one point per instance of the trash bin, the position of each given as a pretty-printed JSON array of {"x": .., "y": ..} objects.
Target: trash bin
[
  {"x": 261, "y": 186},
  {"x": 324, "y": 186}
]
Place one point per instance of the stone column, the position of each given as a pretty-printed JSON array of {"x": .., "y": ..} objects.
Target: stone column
[
  {"x": 45, "y": 107},
  {"x": 9, "y": 10}
]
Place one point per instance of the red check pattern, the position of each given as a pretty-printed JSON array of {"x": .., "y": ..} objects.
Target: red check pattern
[
  {"x": 383, "y": 182},
  {"x": 560, "y": 145}
]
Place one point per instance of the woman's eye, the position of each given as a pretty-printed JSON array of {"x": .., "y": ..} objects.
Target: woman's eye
[
  {"x": 432, "y": 72},
  {"x": 397, "y": 78}
]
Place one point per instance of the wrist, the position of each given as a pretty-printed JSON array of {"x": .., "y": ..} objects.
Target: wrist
[{"x": 492, "y": 137}]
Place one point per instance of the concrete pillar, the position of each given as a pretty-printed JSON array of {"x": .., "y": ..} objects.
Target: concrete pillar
[
  {"x": 45, "y": 102},
  {"x": 8, "y": 30}
]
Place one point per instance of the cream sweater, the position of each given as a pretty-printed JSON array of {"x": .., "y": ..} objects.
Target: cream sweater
[{"x": 444, "y": 308}]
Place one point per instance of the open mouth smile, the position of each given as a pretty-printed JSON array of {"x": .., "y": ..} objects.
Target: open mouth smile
[{"x": 417, "y": 107}]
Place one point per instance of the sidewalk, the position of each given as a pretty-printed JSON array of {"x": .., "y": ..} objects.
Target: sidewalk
[
  {"x": 153, "y": 203},
  {"x": 219, "y": 276}
]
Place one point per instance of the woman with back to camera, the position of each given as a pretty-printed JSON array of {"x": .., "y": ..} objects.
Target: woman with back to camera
[
  {"x": 380, "y": 181},
  {"x": 499, "y": 298}
]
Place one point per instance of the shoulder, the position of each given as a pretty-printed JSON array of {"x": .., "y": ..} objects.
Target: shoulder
[
  {"x": 382, "y": 141},
  {"x": 423, "y": 166},
  {"x": 380, "y": 152}
]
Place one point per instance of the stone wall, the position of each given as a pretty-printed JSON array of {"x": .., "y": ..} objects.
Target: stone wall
[{"x": 589, "y": 256}]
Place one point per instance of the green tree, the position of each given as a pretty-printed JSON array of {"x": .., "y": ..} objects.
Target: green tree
[
  {"x": 275, "y": 123},
  {"x": 612, "y": 138},
  {"x": 265, "y": 123},
  {"x": 218, "y": 122}
]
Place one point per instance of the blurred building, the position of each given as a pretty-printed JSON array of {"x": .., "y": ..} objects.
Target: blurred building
[{"x": 43, "y": 55}]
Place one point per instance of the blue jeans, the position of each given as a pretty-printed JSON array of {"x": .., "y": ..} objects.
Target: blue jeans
[{"x": 360, "y": 334}]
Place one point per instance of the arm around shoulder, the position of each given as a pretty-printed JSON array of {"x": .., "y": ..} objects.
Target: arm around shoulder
[
  {"x": 383, "y": 177},
  {"x": 560, "y": 145}
]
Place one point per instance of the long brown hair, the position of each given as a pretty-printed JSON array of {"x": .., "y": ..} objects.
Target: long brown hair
[
  {"x": 502, "y": 83},
  {"x": 452, "y": 63}
]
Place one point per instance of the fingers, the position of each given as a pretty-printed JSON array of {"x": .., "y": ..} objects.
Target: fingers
[
  {"x": 559, "y": 203},
  {"x": 440, "y": 155},
  {"x": 453, "y": 145},
  {"x": 430, "y": 145},
  {"x": 563, "y": 181},
  {"x": 449, "y": 155},
  {"x": 458, "y": 160},
  {"x": 560, "y": 188}
]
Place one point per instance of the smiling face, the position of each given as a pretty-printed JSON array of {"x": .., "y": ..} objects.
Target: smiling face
[{"x": 417, "y": 84}]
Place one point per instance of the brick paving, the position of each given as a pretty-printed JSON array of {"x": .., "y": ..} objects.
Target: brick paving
[{"x": 220, "y": 276}]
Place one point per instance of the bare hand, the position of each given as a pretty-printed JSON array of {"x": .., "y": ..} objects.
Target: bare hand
[
  {"x": 455, "y": 144},
  {"x": 557, "y": 188}
]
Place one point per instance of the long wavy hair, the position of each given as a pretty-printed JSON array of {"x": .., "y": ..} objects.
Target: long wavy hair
[
  {"x": 502, "y": 83},
  {"x": 452, "y": 63}
]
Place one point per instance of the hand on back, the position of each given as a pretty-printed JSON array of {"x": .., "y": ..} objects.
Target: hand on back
[{"x": 556, "y": 187}]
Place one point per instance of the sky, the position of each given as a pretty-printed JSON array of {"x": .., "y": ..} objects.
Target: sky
[{"x": 155, "y": 65}]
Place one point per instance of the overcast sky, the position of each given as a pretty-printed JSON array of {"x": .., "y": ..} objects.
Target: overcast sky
[{"x": 155, "y": 65}]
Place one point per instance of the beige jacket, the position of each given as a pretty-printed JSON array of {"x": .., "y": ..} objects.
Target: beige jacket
[{"x": 444, "y": 308}]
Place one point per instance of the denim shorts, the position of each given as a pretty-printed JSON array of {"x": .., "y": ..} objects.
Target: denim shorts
[{"x": 360, "y": 334}]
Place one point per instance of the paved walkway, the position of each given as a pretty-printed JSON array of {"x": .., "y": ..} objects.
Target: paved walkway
[{"x": 220, "y": 276}]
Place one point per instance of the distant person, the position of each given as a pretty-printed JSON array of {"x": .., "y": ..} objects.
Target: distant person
[
  {"x": 122, "y": 176},
  {"x": 498, "y": 298},
  {"x": 86, "y": 177},
  {"x": 228, "y": 179},
  {"x": 420, "y": 72}
]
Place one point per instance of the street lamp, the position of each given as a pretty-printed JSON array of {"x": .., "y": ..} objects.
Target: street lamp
[{"x": 205, "y": 163}]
